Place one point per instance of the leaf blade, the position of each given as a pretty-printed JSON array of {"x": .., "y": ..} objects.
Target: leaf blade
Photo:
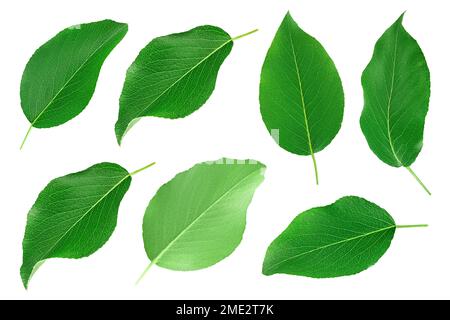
[
  {"x": 73, "y": 216},
  {"x": 325, "y": 242},
  {"x": 396, "y": 87},
  {"x": 217, "y": 208},
  {"x": 149, "y": 91}
]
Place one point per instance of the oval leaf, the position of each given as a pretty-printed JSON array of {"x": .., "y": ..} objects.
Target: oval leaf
[
  {"x": 73, "y": 216},
  {"x": 198, "y": 218},
  {"x": 396, "y": 87},
  {"x": 60, "y": 78},
  {"x": 341, "y": 239},
  {"x": 173, "y": 76},
  {"x": 301, "y": 94}
]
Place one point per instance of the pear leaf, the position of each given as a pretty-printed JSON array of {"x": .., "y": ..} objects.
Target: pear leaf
[
  {"x": 301, "y": 94},
  {"x": 61, "y": 76},
  {"x": 74, "y": 216},
  {"x": 396, "y": 87},
  {"x": 198, "y": 218},
  {"x": 342, "y": 239},
  {"x": 173, "y": 76}
]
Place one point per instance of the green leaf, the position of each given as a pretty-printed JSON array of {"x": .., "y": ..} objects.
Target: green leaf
[
  {"x": 60, "y": 78},
  {"x": 396, "y": 87},
  {"x": 301, "y": 94},
  {"x": 173, "y": 76},
  {"x": 198, "y": 218},
  {"x": 74, "y": 216},
  {"x": 341, "y": 239}
]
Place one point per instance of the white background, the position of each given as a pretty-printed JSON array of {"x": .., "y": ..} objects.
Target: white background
[{"x": 417, "y": 264}]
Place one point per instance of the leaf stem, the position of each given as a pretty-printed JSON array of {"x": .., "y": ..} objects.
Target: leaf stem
[
  {"x": 142, "y": 169},
  {"x": 145, "y": 271},
  {"x": 316, "y": 171},
  {"x": 413, "y": 226},
  {"x": 418, "y": 180},
  {"x": 26, "y": 137},
  {"x": 244, "y": 35}
]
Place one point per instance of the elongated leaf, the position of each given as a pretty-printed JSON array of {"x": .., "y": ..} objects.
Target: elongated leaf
[
  {"x": 341, "y": 239},
  {"x": 301, "y": 94},
  {"x": 173, "y": 76},
  {"x": 60, "y": 78},
  {"x": 198, "y": 218},
  {"x": 74, "y": 216},
  {"x": 396, "y": 87}
]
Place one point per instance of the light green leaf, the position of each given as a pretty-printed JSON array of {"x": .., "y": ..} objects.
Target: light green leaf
[
  {"x": 396, "y": 87},
  {"x": 198, "y": 218},
  {"x": 74, "y": 216},
  {"x": 301, "y": 94},
  {"x": 60, "y": 78},
  {"x": 341, "y": 239},
  {"x": 173, "y": 76}
]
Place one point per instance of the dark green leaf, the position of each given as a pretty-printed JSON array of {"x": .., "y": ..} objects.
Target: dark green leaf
[
  {"x": 396, "y": 95},
  {"x": 74, "y": 216},
  {"x": 60, "y": 78},
  {"x": 173, "y": 76},
  {"x": 341, "y": 239},
  {"x": 301, "y": 94},
  {"x": 198, "y": 218}
]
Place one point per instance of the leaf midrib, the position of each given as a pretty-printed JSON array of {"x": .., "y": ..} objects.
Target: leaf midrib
[
  {"x": 388, "y": 118},
  {"x": 143, "y": 112},
  {"x": 75, "y": 73},
  {"x": 332, "y": 245},
  {"x": 308, "y": 133},
  {"x": 167, "y": 248},
  {"x": 43, "y": 257}
]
